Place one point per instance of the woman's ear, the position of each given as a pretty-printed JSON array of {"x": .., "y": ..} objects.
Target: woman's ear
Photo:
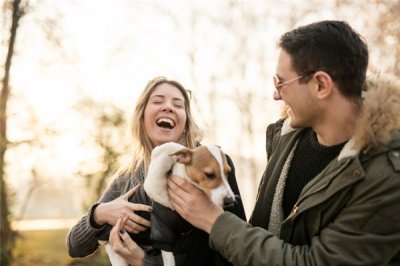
[{"x": 324, "y": 84}]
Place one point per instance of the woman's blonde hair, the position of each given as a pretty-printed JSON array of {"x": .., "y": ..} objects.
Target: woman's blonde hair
[{"x": 143, "y": 147}]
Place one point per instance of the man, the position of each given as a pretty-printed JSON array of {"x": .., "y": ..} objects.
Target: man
[{"x": 330, "y": 194}]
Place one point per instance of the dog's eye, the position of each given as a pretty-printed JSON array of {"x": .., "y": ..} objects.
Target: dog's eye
[{"x": 210, "y": 175}]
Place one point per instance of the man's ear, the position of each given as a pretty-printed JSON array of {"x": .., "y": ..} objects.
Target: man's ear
[
  {"x": 183, "y": 156},
  {"x": 324, "y": 84}
]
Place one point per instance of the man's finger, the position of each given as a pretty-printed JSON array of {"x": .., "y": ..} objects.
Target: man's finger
[
  {"x": 175, "y": 194},
  {"x": 178, "y": 180}
]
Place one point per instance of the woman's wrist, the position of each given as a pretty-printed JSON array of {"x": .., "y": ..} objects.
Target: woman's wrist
[
  {"x": 138, "y": 258},
  {"x": 92, "y": 217}
]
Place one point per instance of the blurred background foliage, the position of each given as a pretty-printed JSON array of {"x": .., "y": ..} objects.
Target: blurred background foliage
[{"x": 71, "y": 71}]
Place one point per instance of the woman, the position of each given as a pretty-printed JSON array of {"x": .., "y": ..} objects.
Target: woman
[{"x": 162, "y": 114}]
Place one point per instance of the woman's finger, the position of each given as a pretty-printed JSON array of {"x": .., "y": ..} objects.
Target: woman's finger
[
  {"x": 133, "y": 227},
  {"x": 114, "y": 234},
  {"x": 130, "y": 192},
  {"x": 139, "y": 207},
  {"x": 132, "y": 253},
  {"x": 136, "y": 218},
  {"x": 129, "y": 243}
]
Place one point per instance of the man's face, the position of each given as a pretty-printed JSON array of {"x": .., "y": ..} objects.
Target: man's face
[{"x": 300, "y": 102}]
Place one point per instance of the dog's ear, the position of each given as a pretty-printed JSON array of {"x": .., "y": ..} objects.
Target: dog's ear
[
  {"x": 183, "y": 156},
  {"x": 227, "y": 168}
]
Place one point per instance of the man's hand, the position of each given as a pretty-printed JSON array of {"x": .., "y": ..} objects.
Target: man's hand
[
  {"x": 109, "y": 212},
  {"x": 192, "y": 204}
]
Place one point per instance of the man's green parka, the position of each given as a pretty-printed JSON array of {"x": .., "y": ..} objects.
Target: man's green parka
[{"x": 349, "y": 214}]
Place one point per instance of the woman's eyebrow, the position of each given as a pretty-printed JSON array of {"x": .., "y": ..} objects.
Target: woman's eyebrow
[
  {"x": 163, "y": 97},
  {"x": 178, "y": 99}
]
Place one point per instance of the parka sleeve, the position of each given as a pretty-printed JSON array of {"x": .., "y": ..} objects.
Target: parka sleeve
[
  {"x": 365, "y": 232},
  {"x": 81, "y": 239}
]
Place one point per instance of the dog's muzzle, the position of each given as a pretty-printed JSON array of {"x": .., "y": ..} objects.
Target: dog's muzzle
[{"x": 229, "y": 201}]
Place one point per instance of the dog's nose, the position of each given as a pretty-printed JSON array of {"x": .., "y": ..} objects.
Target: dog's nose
[{"x": 228, "y": 201}]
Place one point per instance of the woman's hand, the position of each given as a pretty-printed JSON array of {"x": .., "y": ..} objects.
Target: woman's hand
[
  {"x": 109, "y": 212},
  {"x": 123, "y": 244}
]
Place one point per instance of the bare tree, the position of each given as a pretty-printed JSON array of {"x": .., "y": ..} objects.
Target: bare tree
[
  {"x": 7, "y": 236},
  {"x": 246, "y": 58},
  {"x": 108, "y": 128},
  {"x": 13, "y": 12}
]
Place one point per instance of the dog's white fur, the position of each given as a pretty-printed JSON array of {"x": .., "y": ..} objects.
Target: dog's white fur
[{"x": 155, "y": 186}]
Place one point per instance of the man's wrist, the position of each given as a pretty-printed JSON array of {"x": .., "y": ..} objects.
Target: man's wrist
[{"x": 212, "y": 217}]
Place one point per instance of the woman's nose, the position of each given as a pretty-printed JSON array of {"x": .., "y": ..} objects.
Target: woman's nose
[{"x": 167, "y": 106}]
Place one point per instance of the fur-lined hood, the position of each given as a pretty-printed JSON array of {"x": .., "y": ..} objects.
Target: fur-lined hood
[{"x": 379, "y": 118}]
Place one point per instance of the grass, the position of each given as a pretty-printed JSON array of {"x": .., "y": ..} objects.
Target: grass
[{"x": 47, "y": 248}]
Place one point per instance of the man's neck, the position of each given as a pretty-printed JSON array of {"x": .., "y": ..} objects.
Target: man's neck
[{"x": 338, "y": 124}]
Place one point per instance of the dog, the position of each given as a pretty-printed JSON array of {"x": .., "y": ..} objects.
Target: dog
[{"x": 205, "y": 167}]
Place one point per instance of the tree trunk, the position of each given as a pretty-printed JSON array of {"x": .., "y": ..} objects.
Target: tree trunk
[{"x": 7, "y": 235}]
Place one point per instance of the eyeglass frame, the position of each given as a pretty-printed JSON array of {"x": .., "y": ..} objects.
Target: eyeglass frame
[{"x": 278, "y": 85}]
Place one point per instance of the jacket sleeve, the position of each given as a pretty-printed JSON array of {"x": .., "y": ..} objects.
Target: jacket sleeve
[
  {"x": 366, "y": 232},
  {"x": 81, "y": 239}
]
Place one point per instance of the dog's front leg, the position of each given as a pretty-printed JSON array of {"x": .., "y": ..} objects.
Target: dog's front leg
[
  {"x": 168, "y": 258},
  {"x": 115, "y": 259}
]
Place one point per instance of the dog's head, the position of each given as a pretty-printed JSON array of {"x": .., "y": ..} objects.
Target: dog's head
[{"x": 207, "y": 168}]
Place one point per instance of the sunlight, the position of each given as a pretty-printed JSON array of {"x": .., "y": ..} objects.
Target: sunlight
[{"x": 43, "y": 224}]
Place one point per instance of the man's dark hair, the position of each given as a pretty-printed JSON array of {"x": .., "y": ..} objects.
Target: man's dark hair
[{"x": 330, "y": 46}]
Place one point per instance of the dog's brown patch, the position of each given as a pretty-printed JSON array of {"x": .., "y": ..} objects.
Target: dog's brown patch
[{"x": 202, "y": 167}]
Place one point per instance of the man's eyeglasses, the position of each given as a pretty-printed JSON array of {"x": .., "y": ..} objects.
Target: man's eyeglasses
[{"x": 278, "y": 84}]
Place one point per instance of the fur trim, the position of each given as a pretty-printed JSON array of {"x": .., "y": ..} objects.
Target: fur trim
[
  {"x": 348, "y": 150},
  {"x": 276, "y": 215},
  {"x": 379, "y": 117},
  {"x": 380, "y": 114},
  {"x": 286, "y": 128}
]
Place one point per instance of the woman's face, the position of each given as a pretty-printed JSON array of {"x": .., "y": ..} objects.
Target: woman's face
[{"x": 165, "y": 115}]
